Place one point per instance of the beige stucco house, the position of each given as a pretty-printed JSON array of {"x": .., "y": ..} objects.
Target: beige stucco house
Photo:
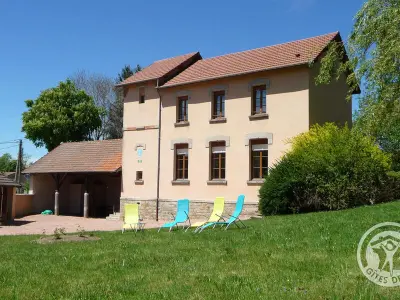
[{"x": 200, "y": 128}]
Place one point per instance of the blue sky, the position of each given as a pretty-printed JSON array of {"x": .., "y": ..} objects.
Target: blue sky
[{"x": 44, "y": 42}]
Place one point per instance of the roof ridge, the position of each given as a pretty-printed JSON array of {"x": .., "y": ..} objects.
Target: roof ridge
[
  {"x": 93, "y": 141},
  {"x": 168, "y": 58},
  {"x": 274, "y": 45}
]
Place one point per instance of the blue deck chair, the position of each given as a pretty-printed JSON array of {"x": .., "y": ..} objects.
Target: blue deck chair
[
  {"x": 234, "y": 218},
  {"x": 182, "y": 215}
]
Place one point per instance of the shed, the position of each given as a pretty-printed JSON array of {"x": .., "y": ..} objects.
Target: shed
[
  {"x": 7, "y": 192},
  {"x": 78, "y": 178}
]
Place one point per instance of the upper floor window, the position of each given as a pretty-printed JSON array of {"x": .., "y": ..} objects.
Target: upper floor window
[
  {"x": 218, "y": 160},
  {"x": 218, "y": 107},
  {"x": 259, "y": 158},
  {"x": 181, "y": 162},
  {"x": 259, "y": 100},
  {"x": 142, "y": 95},
  {"x": 182, "y": 113}
]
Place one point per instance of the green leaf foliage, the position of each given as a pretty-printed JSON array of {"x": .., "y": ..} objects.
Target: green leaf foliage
[
  {"x": 60, "y": 114},
  {"x": 373, "y": 49},
  {"x": 7, "y": 163},
  {"x": 328, "y": 168}
]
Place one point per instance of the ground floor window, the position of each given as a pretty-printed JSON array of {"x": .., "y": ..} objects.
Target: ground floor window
[
  {"x": 218, "y": 156},
  {"x": 259, "y": 158},
  {"x": 181, "y": 162}
]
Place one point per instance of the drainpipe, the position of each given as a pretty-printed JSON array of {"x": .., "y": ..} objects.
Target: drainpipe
[{"x": 159, "y": 152}]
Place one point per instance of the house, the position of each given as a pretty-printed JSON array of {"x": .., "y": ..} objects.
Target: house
[
  {"x": 199, "y": 128},
  {"x": 7, "y": 196},
  {"x": 78, "y": 178}
]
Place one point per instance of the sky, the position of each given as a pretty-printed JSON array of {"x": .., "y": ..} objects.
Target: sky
[{"x": 43, "y": 42}]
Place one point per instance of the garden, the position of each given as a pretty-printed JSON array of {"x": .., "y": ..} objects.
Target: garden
[{"x": 297, "y": 256}]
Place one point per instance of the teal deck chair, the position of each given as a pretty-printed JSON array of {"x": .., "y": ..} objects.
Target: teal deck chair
[
  {"x": 233, "y": 219},
  {"x": 182, "y": 215}
]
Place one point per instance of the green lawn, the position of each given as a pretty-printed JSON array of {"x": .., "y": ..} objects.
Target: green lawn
[{"x": 310, "y": 256}]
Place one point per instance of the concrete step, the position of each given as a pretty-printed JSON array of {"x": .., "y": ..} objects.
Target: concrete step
[{"x": 114, "y": 217}]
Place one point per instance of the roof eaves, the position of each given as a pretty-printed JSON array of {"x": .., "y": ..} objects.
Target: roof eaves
[
  {"x": 116, "y": 170},
  {"x": 14, "y": 184}
]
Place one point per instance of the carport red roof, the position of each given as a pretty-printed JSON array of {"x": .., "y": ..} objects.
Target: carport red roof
[{"x": 81, "y": 157}]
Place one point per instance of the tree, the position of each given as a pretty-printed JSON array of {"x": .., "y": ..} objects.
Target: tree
[
  {"x": 127, "y": 72},
  {"x": 116, "y": 112},
  {"x": 373, "y": 50},
  {"x": 7, "y": 163},
  {"x": 61, "y": 114},
  {"x": 101, "y": 89}
]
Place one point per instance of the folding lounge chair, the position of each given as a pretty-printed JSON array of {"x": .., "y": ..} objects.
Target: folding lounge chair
[
  {"x": 131, "y": 218},
  {"x": 216, "y": 214},
  {"x": 182, "y": 215},
  {"x": 234, "y": 218}
]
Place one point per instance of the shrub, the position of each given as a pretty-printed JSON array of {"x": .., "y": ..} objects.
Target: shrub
[
  {"x": 328, "y": 168},
  {"x": 394, "y": 184}
]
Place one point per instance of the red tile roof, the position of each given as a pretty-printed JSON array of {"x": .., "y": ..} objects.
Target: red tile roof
[
  {"x": 81, "y": 157},
  {"x": 261, "y": 59},
  {"x": 158, "y": 69}
]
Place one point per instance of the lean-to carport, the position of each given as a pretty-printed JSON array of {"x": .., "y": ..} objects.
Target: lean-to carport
[{"x": 79, "y": 178}]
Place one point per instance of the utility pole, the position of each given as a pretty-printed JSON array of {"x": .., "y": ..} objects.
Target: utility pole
[{"x": 18, "y": 170}]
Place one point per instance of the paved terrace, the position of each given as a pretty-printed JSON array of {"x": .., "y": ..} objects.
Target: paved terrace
[{"x": 39, "y": 224}]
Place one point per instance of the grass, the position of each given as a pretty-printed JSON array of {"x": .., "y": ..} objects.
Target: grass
[{"x": 310, "y": 256}]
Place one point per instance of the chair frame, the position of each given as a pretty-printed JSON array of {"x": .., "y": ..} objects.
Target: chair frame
[
  {"x": 235, "y": 221},
  {"x": 176, "y": 224}
]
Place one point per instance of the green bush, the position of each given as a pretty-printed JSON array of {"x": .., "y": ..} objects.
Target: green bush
[
  {"x": 394, "y": 184},
  {"x": 328, "y": 168}
]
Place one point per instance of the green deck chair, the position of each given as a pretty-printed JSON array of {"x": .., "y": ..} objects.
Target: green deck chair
[
  {"x": 216, "y": 214},
  {"x": 131, "y": 218}
]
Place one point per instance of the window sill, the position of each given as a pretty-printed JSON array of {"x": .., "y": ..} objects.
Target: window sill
[
  {"x": 259, "y": 117},
  {"x": 180, "y": 182},
  {"x": 182, "y": 124},
  {"x": 139, "y": 182},
  {"x": 255, "y": 182},
  {"x": 217, "y": 182},
  {"x": 218, "y": 120}
]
